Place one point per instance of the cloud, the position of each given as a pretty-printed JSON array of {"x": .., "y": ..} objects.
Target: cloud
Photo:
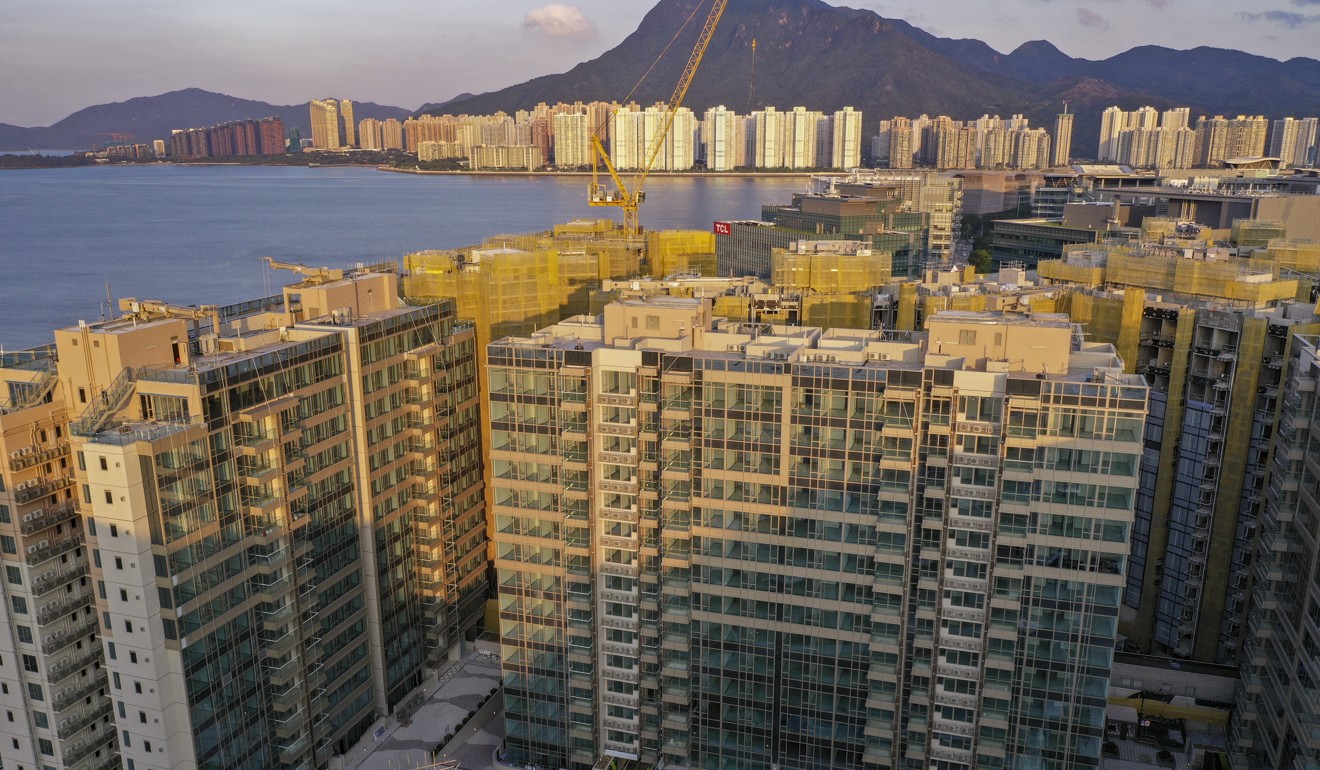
[
  {"x": 1089, "y": 18},
  {"x": 560, "y": 20},
  {"x": 1306, "y": 2},
  {"x": 1283, "y": 18}
]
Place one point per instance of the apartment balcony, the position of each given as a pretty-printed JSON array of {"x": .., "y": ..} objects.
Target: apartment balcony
[
  {"x": 48, "y": 549},
  {"x": 81, "y": 749},
  {"x": 56, "y": 578},
  {"x": 57, "y": 609},
  {"x": 19, "y": 459},
  {"x": 290, "y": 726},
  {"x": 76, "y": 692},
  {"x": 47, "y": 517},
  {"x": 60, "y": 670},
  {"x": 71, "y": 725},
  {"x": 28, "y": 491},
  {"x": 58, "y": 640}
]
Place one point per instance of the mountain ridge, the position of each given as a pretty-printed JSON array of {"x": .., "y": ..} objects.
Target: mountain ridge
[
  {"x": 826, "y": 57},
  {"x": 809, "y": 53}
]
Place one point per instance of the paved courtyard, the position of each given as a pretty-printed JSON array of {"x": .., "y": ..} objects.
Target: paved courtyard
[{"x": 461, "y": 688}]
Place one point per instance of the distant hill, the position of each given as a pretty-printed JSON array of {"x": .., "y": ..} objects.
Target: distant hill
[
  {"x": 154, "y": 117},
  {"x": 826, "y": 57}
]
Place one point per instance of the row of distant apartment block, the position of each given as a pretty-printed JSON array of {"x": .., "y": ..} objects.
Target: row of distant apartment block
[
  {"x": 985, "y": 143},
  {"x": 722, "y": 139},
  {"x": 1148, "y": 138},
  {"x": 233, "y": 139},
  {"x": 235, "y": 536}
]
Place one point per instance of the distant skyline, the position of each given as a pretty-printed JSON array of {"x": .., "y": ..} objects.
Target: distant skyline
[{"x": 61, "y": 57}]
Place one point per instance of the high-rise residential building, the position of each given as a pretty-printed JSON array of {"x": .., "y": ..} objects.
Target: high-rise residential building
[
  {"x": 680, "y": 149},
  {"x": 346, "y": 122},
  {"x": 56, "y": 690},
  {"x": 1210, "y": 333},
  {"x": 325, "y": 124},
  {"x": 1294, "y": 141},
  {"x": 1030, "y": 148},
  {"x": 1146, "y": 138},
  {"x": 1063, "y": 130},
  {"x": 391, "y": 135},
  {"x": 765, "y": 136},
  {"x": 572, "y": 140},
  {"x": 723, "y": 544},
  {"x": 847, "y": 142},
  {"x": 370, "y": 135},
  {"x": 722, "y": 141},
  {"x": 894, "y": 144},
  {"x": 1276, "y": 719},
  {"x": 235, "y": 138},
  {"x": 798, "y": 144},
  {"x": 283, "y": 500},
  {"x": 1219, "y": 138}
]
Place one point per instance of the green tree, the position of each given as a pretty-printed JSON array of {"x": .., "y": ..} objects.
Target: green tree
[{"x": 980, "y": 259}]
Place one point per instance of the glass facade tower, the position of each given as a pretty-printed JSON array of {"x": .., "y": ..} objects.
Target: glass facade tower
[{"x": 726, "y": 545}]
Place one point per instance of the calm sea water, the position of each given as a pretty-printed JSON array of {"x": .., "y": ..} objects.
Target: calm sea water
[{"x": 196, "y": 234}]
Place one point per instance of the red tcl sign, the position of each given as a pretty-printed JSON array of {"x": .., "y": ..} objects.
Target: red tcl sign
[{"x": 723, "y": 228}]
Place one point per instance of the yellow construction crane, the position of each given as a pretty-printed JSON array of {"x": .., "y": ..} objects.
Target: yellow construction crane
[
  {"x": 315, "y": 275},
  {"x": 149, "y": 309},
  {"x": 621, "y": 195}
]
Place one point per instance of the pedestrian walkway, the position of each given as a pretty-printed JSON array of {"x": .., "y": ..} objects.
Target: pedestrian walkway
[{"x": 459, "y": 690}]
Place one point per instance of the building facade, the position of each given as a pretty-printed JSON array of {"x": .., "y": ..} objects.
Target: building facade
[
  {"x": 284, "y": 509},
  {"x": 1277, "y": 716},
  {"x": 745, "y": 546}
]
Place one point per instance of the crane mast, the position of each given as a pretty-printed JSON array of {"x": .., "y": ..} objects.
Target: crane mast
[{"x": 629, "y": 199}]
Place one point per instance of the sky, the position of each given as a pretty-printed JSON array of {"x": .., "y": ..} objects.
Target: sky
[{"x": 58, "y": 56}]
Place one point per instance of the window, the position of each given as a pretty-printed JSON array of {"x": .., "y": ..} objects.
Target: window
[
  {"x": 119, "y": 563},
  {"x": 39, "y": 718},
  {"x": 128, "y": 626},
  {"x": 46, "y": 747},
  {"x": 967, "y": 337},
  {"x": 104, "y": 466},
  {"x": 123, "y": 595},
  {"x": 132, "y": 657},
  {"x": 35, "y": 692},
  {"x": 109, "y": 497},
  {"x": 142, "y": 717},
  {"x": 137, "y": 687},
  {"x": 114, "y": 530},
  {"x": 4, "y": 514},
  {"x": 20, "y": 605},
  {"x": 82, "y": 395},
  {"x": 13, "y": 574},
  {"x": 30, "y": 663},
  {"x": 7, "y": 544},
  {"x": 24, "y": 634},
  {"x": 146, "y": 745},
  {"x": 110, "y": 649}
]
